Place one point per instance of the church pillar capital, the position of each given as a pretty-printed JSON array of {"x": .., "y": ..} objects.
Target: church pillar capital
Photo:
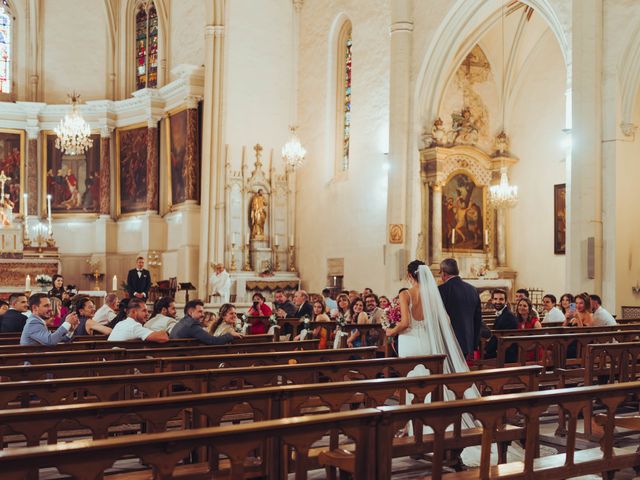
[
  {"x": 628, "y": 129},
  {"x": 33, "y": 132},
  {"x": 106, "y": 132},
  {"x": 192, "y": 101}
]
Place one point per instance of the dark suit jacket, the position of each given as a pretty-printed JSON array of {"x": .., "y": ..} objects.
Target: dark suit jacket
[
  {"x": 505, "y": 321},
  {"x": 138, "y": 284},
  {"x": 12, "y": 321},
  {"x": 462, "y": 302},
  {"x": 305, "y": 310}
]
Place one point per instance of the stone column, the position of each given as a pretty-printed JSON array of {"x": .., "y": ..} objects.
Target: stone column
[
  {"x": 584, "y": 171},
  {"x": 32, "y": 169},
  {"x": 190, "y": 169},
  {"x": 399, "y": 101},
  {"x": 152, "y": 166},
  {"x": 105, "y": 171},
  {"x": 436, "y": 225},
  {"x": 501, "y": 235}
]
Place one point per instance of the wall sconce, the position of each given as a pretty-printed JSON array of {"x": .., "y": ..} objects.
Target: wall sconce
[{"x": 636, "y": 289}]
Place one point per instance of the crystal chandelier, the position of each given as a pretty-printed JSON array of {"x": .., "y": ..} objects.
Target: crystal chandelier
[
  {"x": 74, "y": 134},
  {"x": 293, "y": 152},
  {"x": 503, "y": 195}
]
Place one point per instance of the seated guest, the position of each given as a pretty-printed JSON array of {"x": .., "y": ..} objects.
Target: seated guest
[
  {"x": 343, "y": 306},
  {"x": 353, "y": 295},
  {"x": 58, "y": 313},
  {"x": 208, "y": 321},
  {"x": 374, "y": 312},
  {"x": 163, "y": 316},
  {"x": 505, "y": 320},
  {"x": 525, "y": 316},
  {"x": 303, "y": 307},
  {"x": 384, "y": 302},
  {"x": 283, "y": 307},
  {"x": 582, "y": 316},
  {"x": 553, "y": 313},
  {"x": 567, "y": 305},
  {"x": 226, "y": 323},
  {"x": 600, "y": 316},
  {"x": 57, "y": 288},
  {"x": 132, "y": 327},
  {"x": 258, "y": 309},
  {"x": 524, "y": 293},
  {"x": 108, "y": 311},
  {"x": 35, "y": 331},
  {"x": 356, "y": 315},
  {"x": 122, "y": 313},
  {"x": 87, "y": 326},
  {"x": 190, "y": 327},
  {"x": 4, "y": 306},
  {"x": 14, "y": 320},
  {"x": 328, "y": 301},
  {"x": 367, "y": 291}
]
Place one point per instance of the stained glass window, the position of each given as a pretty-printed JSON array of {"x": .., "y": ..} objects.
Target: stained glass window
[
  {"x": 146, "y": 45},
  {"x": 346, "y": 109},
  {"x": 6, "y": 23}
]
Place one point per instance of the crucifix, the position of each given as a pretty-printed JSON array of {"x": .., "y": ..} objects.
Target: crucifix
[{"x": 3, "y": 179}]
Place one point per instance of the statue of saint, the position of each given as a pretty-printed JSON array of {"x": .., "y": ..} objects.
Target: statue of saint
[{"x": 258, "y": 215}]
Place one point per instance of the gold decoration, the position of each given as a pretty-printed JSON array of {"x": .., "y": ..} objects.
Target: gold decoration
[{"x": 396, "y": 233}]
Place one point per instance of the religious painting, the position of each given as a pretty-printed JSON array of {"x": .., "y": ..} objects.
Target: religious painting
[
  {"x": 396, "y": 233},
  {"x": 178, "y": 148},
  {"x": 131, "y": 150},
  {"x": 73, "y": 181},
  {"x": 559, "y": 219},
  {"x": 463, "y": 214},
  {"x": 12, "y": 165}
]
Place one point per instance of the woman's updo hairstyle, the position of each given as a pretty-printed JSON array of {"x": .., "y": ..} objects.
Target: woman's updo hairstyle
[{"x": 412, "y": 269}]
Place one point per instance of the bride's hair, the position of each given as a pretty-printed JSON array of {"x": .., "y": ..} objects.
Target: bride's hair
[{"x": 412, "y": 269}]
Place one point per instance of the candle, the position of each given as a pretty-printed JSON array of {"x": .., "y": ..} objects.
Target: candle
[
  {"x": 49, "y": 213},
  {"x": 486, "y": 236},
  {"x": 234, "y": 238},
  {"x": 25, "y": 196},
  {"x": 247, "y": 239},
  {"x": 114, "y": 284},
  {"x": 291, "y": 240},
  {"x": 27, "y": 284},
  {"x": 453, "y": 237},
  {"x": 275, "y": 240}
]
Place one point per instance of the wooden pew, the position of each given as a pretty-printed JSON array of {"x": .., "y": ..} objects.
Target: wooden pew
[
  {"x": 176, "y": 363},
  {"x": 260, "y": 404},
  {"x": 490, "y": 411},
  {"x": 122, "y": 387},
  {"x": 372, "y": 433},
  {"x": 62, "y": 356}
]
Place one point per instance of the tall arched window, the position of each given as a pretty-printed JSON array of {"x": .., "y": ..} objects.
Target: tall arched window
[
  {"x": 146, "y": 45},
  {"x": 343, "y": 90},
  {"x": 6, "y": 48}
]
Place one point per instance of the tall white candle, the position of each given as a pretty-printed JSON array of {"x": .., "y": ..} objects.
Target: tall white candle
[
  {"x": 486, "y": 236},
  {"x": 275, "y": 240},
  {"x": 25, "y": 198},
  {"x": 27, "y": 284},
  {"x": 114, "y": 284},
  {"x": 453, "y": 237},
  {"x": 247, "y": 239},
  {"x": 291, "y": 240},
  {"x": 49, "y": 213}
]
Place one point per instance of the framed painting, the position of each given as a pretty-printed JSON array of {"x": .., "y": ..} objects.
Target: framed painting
[
  {"x": 72, "y": 180},
  {"x": 463, "y": 214},
  {"x": 559, "y": 218},
  {"x": 12, "y": 148},
  {"x": 131, "y": 169},
  {"x": 177, "y": 143}
]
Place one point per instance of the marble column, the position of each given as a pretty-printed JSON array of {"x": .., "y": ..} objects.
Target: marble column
[
  {"x": 32, "y": 169},
  {"x": 152, "y": 167},
  {"x": 584, "y": 171},
  {"x": 436, "y": 225},
  {"x": 401, "y": 29},
  {"x": 190, "y": 168},
  {"x": 105, "y": 171},
  {"x": 501, "y": 235}
]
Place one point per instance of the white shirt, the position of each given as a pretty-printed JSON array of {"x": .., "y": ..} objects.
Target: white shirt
[
  {"x": 603, "y": 318},
  {"x": 129, "y": 329},
  {"x": 104, "y": 315},
  {"x": 220, "y": 283},
  {"x": 161, "y": 323},
  {"x": 554, "y": 315}
]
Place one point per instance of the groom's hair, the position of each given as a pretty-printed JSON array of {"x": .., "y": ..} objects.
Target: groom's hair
[{"x": 449, "y": 266}]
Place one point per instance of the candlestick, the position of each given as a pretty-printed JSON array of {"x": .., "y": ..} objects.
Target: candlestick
[
  {"x": 27, "y": 284},
  {"x": 233, "y": 266},
  {"x": 25, "y": 197},
  {"x": 292, "y": 259},
  {"x": 49, "y": 213},
  {"x": 114, "y": 284}
]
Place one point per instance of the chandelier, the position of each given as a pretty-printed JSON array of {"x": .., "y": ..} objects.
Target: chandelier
[
  {"x": 293, "y": 152},
  {"x": 74, "y": 134},
  {"x": 503, "y": 195}
]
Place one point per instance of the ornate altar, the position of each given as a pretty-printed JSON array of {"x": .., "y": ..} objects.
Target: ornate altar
[
  {"x": 259, "y": 240},
  {"x": 456, "y": 214}
]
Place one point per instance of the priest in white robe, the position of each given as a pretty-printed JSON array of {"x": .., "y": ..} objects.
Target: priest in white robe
[{"x": 220, "y": 282}]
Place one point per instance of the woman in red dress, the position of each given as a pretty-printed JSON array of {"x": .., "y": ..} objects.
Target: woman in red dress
[
  {"x": 259, "y": 309},
  {"x": 527, "y": 319}
]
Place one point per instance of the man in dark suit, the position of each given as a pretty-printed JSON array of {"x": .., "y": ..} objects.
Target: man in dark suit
[
  {"x": 14, "y": 319},
  {"x": 303, "y": 307},
  {"x": 462, "y": 302},
  {"x": 139, "y": 281},
  {"x": 505, "y": 320}
]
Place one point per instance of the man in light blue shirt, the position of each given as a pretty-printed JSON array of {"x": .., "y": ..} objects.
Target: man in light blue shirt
[
  {"x": 328, "y": 301},
  {"x": 35, "y": 331}
]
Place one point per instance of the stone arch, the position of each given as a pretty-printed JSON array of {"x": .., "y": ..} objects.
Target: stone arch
[{"x": 464, "y": 25}]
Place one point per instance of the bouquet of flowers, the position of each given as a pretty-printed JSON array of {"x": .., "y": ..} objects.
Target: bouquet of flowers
[
  {"x": 242, "y": 325},
  {"x": 392, "y": 314},
  {"x": 44, "y": 280}
]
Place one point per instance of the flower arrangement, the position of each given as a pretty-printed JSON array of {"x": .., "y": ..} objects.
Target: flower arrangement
[
  {"x": 392, "y": 314},
  {"x": 268, "y": 270},
  {"x": 242, "y": 324},
  {"x": 44, "y": 280},
  {"x": 273, "y": 320}
]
